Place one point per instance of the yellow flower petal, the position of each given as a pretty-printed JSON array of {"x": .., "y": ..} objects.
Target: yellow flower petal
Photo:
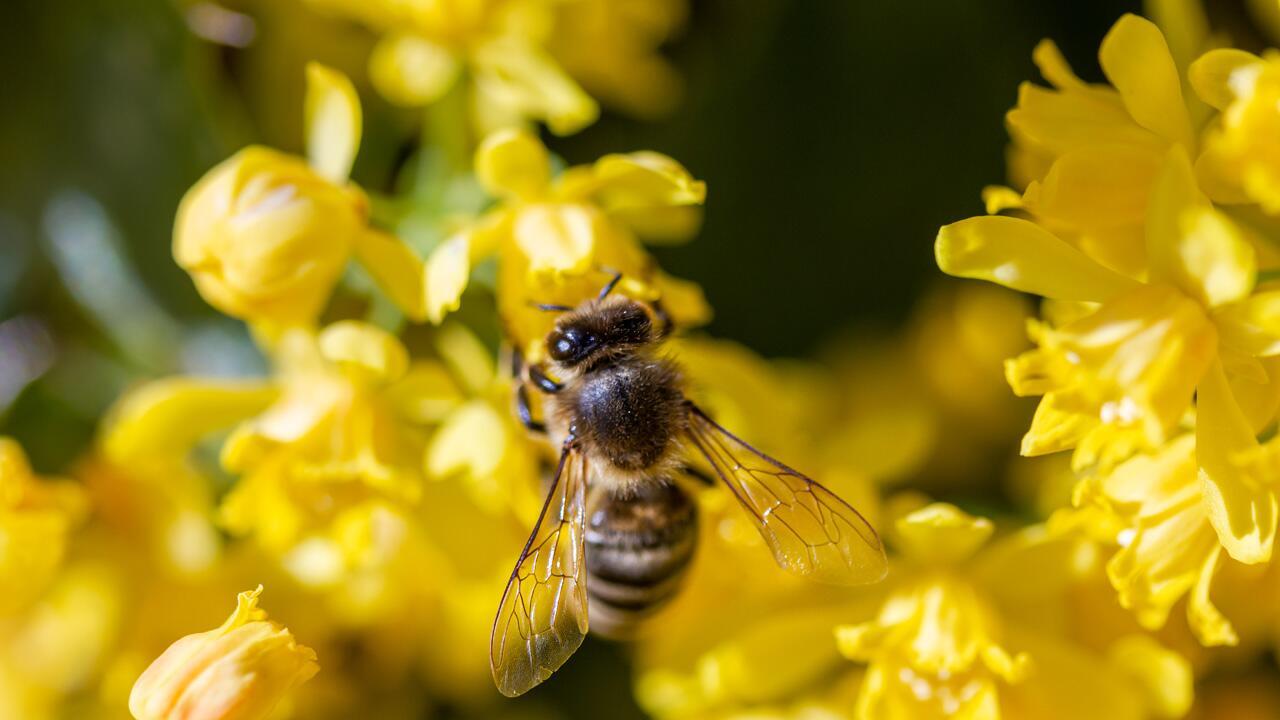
[
  {"x": 643, "y": 180},
  {"x": 1055, "y": 428},
  {"x": 1252, "y": 325},
  {"x": 520, "y": 80},
  {"x": 1242, "y": 513},
  {"x": 1211, "y": 74},
  {"x": 1054, "y": 67},
  {"x": 1213, "y": 252},
  {"x": 353, "y": 344},
  {"x": 411, "y": 71},
  {"x": 513, "y": 163},
  {"x": 1098, "y": 186},
  {"x": 1192, "y": 245},
  {"x": 395, "y": 268},
  {"x": 448, "y": 270},
  {"x": 998, "y": 198},
  {"x": 471, "y": 441},
  {"x": 333, "y": 122},
  {"x": 1021, "y": 255},
  {"x": 1164, "y": 676},
  {"x": 172, "y": 415},
  {"x": 467, "y": 357},
  {"x": 941, "y": 533},
  {"x": 1208, "y": 624},
  {"x": 1136, "y": 60},
  {"x": 1184, "y": 25},
  {"x": 557, "y": 238}
]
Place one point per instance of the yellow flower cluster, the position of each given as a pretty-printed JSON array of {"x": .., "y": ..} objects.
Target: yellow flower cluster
[
  {"x": 516, "y": 61},
  {"x": 379, "y": 482},
  {"x": 1143, "y": 214}
]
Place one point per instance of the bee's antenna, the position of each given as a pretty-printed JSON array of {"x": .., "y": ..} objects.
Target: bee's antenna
[
  {"x": 551, "y": 307},
  {"x": 613, "y": 283}
]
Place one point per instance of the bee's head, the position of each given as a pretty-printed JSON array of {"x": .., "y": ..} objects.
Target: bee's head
[{"x": 599, "y": 328}]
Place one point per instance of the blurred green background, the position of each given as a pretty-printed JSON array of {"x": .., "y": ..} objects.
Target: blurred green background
[{"x": 835, "y": 138}]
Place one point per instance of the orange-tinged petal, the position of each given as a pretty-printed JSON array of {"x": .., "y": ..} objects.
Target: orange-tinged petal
[
  {"x": 239, "y": 671},
  {"x": 1021, "y": 255}
]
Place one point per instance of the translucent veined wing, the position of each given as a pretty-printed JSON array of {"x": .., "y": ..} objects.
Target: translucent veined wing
[
  {"x": 811, "y": 531},
  {"x": 543, "y": 615}
]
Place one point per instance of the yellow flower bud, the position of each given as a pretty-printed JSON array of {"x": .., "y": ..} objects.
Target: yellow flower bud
[
  {"x": 237, "y": 672},
  {"x": 265, "y": 237}
]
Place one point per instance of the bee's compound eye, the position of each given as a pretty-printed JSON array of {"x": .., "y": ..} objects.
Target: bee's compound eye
[{"x": 562, "y": 345}]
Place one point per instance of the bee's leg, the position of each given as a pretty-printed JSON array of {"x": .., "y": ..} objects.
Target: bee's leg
[
  {"x": 665, "y": 323},
  {"x": 517, "y": 364},
  {"x": 698, "y": 475},
  {"x": 608, "y": 288},
  {"x": 525, "y": 414},
  {"x": 544, "y": 383}
]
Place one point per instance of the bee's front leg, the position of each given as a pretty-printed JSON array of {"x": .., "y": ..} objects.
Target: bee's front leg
[
  {"x": 539, "y": 378},
  {"x": 525, "y": 413}
]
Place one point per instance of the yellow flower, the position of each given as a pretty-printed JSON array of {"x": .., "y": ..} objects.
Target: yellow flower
[
  {"x": 1168, "y": 547},
  {"x": 478, "y": 438},
  {"x": 611, "y": 47},
  {"x": 339, "y": 433},
  {"x": 37, "y": 517},
  {"x": 497, "y": 47},
  {"x": 239, "y": 671},
  {"x": 1087, "y": 155},
  {"x": 266, "y": 236},
  {"x": 1241, "y": 160},
  {"x": 142, "y": 479},
  {"x": 1120, "y": 376},
  {"x": 559, "y": 239},
  {"x": 933, "y": 651}
]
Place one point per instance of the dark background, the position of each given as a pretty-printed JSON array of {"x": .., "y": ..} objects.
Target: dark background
[{"x": 835, "y": 138}]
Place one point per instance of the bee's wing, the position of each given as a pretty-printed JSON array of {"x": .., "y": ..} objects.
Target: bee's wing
[
  {"x": 543, "y": 615},
  {"x": 810, "y": 530}
]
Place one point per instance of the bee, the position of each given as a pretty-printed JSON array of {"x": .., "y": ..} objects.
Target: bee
[{"x": 616, "y": 532}]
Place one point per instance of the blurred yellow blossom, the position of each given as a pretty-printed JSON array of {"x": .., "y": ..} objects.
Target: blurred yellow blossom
[
  {"x": 611, "y": 47},
  {"x": 1241, "y": 161},
  {"x": 934, "y": 649},
  {"x": 37, "y": 517},
  {"x": 240, "y": 670},
  {"x": 266, "y": 235},
  {"x": 336, "y": 436},
  {"x": 497, "y": 47},
  {"x": 559, "y": 239}
]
